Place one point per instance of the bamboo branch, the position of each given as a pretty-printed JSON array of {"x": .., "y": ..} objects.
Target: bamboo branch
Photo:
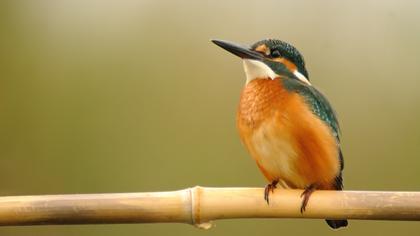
[{"x": 199, "y": 206}]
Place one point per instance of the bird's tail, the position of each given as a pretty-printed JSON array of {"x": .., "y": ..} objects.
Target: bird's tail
[
  {"x": 338, "y": 185},
  {"x": 336, "y": 224}
]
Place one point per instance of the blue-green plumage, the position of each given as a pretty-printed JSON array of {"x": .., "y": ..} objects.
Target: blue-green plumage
[
  {"x": 285, "y": 50},
  {"x": 321, "y": 107}
]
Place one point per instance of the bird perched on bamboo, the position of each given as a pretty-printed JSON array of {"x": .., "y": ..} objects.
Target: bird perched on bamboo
[{"x": 287, "y": 125}]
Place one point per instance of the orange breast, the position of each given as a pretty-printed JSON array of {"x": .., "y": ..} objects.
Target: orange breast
[{"x": 288, "y": 142}]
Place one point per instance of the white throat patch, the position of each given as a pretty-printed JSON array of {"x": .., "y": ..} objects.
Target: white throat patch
[{"x": 257, "y": 70}]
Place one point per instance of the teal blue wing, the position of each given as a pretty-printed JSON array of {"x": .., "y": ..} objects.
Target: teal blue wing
[
  {"x": 318, "y": 103},
  {"x": 322, "y": 108}
]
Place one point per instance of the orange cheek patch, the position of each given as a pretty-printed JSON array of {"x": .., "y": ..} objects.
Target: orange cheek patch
[
  {"x": 289, "y": 65},
  {"x": 263, "y": 49}
]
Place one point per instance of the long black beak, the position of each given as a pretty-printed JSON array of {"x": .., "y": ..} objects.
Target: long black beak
[{"x": 239, "y": 50}]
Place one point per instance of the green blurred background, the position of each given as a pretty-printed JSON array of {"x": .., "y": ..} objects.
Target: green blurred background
[{"x": 126, "y": 96}]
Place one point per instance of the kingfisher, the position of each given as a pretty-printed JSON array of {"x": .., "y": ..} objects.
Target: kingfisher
[{"x": 287, "y": 125}]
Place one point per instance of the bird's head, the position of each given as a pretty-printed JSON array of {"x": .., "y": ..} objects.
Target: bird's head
[{"x": 269, "y": 59}]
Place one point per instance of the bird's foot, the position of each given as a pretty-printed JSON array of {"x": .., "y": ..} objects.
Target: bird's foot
[
  {"x": 269, "y": 188},
  {"x": 306, "y": 194}
]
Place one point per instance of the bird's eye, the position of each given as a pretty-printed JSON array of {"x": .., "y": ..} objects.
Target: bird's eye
[{"x": 275, "y": 53}]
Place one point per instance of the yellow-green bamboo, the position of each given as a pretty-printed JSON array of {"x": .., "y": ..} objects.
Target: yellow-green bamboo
[{"x": 200, "y": 205}]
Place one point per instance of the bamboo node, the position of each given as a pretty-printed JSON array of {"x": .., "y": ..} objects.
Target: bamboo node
[{"x": 196, "y": 193}]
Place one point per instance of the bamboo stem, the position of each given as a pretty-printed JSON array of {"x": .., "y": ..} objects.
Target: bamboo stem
[{"x": 199, "y": 206}]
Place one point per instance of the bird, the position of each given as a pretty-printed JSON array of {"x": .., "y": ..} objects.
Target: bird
[{"x": 287, "y": 125}]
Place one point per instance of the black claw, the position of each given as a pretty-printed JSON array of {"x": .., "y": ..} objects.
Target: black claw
[
  {"x": 302, "y": 208},
  {"x": 306, "y": 194},
  {"x": 266, "y": 195},
  {"x": 269, "y": 188}
]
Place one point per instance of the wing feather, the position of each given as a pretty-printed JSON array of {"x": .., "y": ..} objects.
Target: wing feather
[{"x": 322, "y": 108}]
